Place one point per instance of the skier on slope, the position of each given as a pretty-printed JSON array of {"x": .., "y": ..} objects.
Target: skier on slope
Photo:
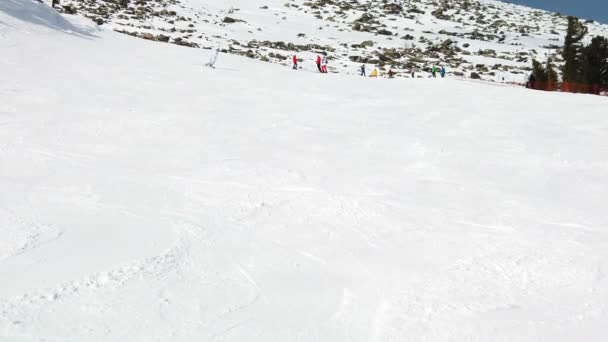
[
  {"x": 324, "y": 66},
  {"x": 295, "y": 62},
  {"x": 442, "y": 71},
  {"x": 363, "y": 70},
  {"x": 374, "y": 73},
  {"x": 434, "y": 71},
  {"x": 319, "y": 63},
  {"x": 213, "y": 59}
]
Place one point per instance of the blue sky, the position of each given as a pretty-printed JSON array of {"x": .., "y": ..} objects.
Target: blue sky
[{"x": 587, "y": 9}]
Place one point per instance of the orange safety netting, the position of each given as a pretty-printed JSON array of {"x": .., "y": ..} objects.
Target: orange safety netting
[{"x": 569, "y": 87}]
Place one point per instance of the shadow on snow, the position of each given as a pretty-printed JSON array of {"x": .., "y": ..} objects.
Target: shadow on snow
[{"x": 40, "y": 14}]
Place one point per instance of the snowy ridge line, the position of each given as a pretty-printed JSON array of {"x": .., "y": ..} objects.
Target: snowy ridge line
[{"x": 38, "y": 13}]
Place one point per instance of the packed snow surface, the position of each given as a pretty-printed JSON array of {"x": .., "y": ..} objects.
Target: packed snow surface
[{"x": 144, "y": 197}]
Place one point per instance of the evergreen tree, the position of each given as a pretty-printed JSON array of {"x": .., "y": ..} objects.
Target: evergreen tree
[
  {"x": 604, "y": 73},
  {"x": 595, "y": 64},
  {"x": 539, "y": 72},
  {"x": 551, "y": 73},
  {"x": 572, "y": 52}
]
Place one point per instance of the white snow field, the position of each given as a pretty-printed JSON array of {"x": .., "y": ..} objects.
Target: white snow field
[{"x": 144, "y": 197}]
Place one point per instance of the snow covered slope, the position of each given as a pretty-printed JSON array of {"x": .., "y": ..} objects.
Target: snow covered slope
[
  {"x": 145, "y": 198},
  {"x": 494, "y": 39}
]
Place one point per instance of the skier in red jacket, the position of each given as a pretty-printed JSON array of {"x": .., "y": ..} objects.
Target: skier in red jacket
[
  {"x": 319, "y": 63},
  {"x": 295, "y": 62}
]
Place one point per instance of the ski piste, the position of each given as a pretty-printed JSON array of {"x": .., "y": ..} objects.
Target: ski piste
[{"x": 144, "y": 198}]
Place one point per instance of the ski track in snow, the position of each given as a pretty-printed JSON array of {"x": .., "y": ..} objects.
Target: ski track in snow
[{"x": 24, "y": 234}]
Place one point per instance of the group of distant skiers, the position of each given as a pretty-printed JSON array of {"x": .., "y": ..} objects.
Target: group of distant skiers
[
  {"x": 322, "y": 62},
  {"x": 391, "y": 73},
  {"x": 436, "y": 70}
]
